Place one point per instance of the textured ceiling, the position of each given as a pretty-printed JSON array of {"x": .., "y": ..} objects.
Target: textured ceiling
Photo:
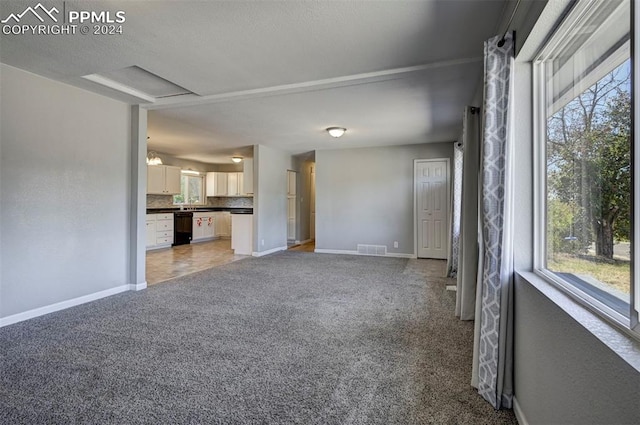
[{"x": 279, "y": 72}]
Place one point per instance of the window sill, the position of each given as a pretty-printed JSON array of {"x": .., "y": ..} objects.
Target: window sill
[{"x": 625, "y": 346}]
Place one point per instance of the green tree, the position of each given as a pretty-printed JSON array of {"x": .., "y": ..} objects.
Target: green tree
[
  {"x": 588, "y": 162},
  {"x": 561, "y": 237}
]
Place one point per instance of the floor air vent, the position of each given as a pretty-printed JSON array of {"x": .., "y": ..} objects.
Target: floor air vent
[{"x": 372, "y": 249}]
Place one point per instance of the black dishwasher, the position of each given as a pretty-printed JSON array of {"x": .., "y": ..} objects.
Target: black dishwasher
[{"x": 182, "y": 227}]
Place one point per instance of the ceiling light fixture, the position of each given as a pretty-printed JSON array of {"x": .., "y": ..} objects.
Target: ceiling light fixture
[
  {"x": 236, "y": 159},
  {"x": 336, "y": 131},
  {"x": 153, "y": 158}
]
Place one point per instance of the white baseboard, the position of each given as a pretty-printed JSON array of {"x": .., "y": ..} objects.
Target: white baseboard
[
  {"x": 400, "y": 255},
  {"x": 213, "y": 238},
  {"x": 348, "y": 252},
  {"x": 519, "y": 413},
  {"x": 41, "y": 311},
  {"x": 269, "y": 251},
  {"x": 335, "y": 251},
  {"x": 137, "y": 286}
]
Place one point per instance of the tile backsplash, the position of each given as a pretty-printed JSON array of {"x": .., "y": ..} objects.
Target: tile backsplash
[
  {"x": 166, "y": 201},
  {"x": 230, "y": 202},
  {"x": 159, "y": 201}
]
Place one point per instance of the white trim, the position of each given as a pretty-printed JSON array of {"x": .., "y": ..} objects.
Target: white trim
[
  {"x": 401, "y": 255},
  {"x": 635, "y": 131},
  {"x": 335, "y": 251},
  {"x": 519, "y": 413},
  {"x": 575, "y": 20},
  {"x": 154, "y": 247},
  {"x": 207, "y": 239},
  {"x": 107, "y": 82},
  {"x": 539, "y": 167},
  {"x": 137, "y": 286},
  {"x": 41, "y": 311},
  {"x": 348, "y": 252},
  {"x": 269, "y": 251},
  {"x": 544, "y": 26}
]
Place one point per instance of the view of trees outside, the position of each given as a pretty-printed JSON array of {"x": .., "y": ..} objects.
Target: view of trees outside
[
  {"x": 589, "y": 183},
  {"x": 191, "y": 190}
]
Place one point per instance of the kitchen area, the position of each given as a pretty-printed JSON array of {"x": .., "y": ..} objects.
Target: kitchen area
[{"x": 199, "y": 215}]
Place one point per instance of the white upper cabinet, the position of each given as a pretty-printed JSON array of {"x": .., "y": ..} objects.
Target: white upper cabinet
[
  {"x": 227, "y": 184},
  {"x": 163, "y": 180},
  {"x": 217, "y": 184},
  {"x": 232, "y": 184},
  {"x": 172, "y": 179}
]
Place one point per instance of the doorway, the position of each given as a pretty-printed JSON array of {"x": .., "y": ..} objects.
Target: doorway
[{"x": 431, "y": 182}]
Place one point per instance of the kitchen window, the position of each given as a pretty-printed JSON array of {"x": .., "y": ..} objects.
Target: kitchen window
[
  {"x": 191, "y": 189},
  {"x": 584, "y": 167}
]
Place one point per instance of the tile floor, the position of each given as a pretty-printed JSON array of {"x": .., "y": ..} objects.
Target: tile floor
[{"x": 164, "y": 264}]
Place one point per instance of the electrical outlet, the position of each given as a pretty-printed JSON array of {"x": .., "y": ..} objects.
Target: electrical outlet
[
  {"x": 262, "y": 242},
  {"x": 395, "y": 244}
]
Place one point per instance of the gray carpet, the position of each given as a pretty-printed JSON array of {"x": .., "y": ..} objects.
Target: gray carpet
[{"x": 292, "y": 338}]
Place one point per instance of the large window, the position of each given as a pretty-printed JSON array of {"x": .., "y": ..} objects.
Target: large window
[
  {"x": 191, "y": 189},
  {"x": 585, "y": 141}
]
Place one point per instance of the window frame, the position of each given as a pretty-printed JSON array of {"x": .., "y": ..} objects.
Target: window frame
[
  {"x": 191, "y": 174},
  {"x": 628, "y": 323}
]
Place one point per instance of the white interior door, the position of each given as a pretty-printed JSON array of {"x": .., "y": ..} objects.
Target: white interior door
[{"x": 432, "y": 208}]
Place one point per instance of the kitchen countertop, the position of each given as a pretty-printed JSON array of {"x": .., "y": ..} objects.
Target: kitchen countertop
[{"x": 232, "y": 210}]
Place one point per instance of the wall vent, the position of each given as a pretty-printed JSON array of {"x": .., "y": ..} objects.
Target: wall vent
[{"x": 372, "y": 249}]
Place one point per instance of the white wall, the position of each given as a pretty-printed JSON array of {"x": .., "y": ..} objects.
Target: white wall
[
  {"x": 365, "y": 196},
  {"x": 65, "y": 192},
  {"x": 270, "y": 198}
]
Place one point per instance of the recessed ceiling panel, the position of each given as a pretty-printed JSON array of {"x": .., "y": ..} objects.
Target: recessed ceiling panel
[{"x": 145, "y": 81}]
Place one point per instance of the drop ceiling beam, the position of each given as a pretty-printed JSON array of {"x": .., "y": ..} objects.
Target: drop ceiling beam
[{"x": 328, "y": 83}]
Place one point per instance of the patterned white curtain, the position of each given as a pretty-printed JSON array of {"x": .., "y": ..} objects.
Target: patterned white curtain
[
  {"x": 456, "y": 205},
  {"x": 493, "y": 345}
]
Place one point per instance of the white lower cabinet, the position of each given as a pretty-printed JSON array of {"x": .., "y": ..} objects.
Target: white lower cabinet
[
  {"x": 223, "y": 224},
  {"x": 151, "y": 230},
  {"x": 242, "y": 234},
  {"x": 159, "y": 230},
  {"x": 204, "y": 225}
]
